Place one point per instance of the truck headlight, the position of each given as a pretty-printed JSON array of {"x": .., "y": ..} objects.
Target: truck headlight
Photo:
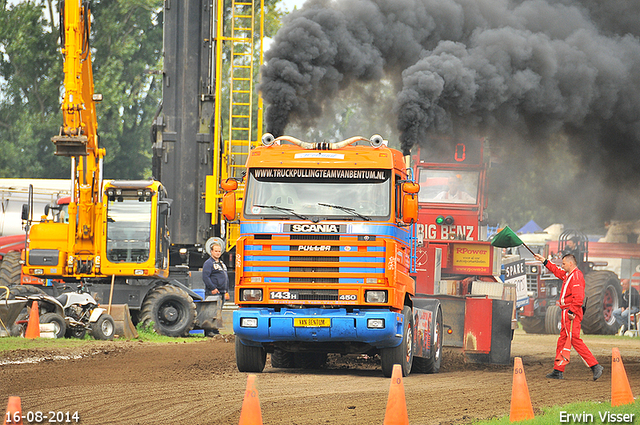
[
  {"x": 375, "y": 323},
  {"x": 375, "y": 296},
  {"x": 251, "y": 295},
  {"x": 248, "y": 322}
]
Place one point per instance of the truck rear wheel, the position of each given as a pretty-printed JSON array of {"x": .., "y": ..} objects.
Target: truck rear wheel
[
  {"x": 250, "y": 358},
  {"x": 282, "y": 359},
  {"x": 309, "y": 360},
  {"x": 432, "y": 364},
  {"x": 171, "y": 310},
  {"x": 532, "y": 325},
  {"x": 603, "y": 292},
  {"x": 553, "y": 320},
  {"x": 10, "y": 269},
  {"x": 403, "y": 353}
]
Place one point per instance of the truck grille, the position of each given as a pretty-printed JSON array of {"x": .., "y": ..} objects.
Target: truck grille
[
  {"x": 316, "y": 294},
  {"x": 532, "y": 284},
  {"x": 313, "y": 258}
]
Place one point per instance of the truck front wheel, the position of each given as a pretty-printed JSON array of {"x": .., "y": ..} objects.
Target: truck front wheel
[
  {"x": 403, "y": 353},
  {"x": 250, "y": 358}
]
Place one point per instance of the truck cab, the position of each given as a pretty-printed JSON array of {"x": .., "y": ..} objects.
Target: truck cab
[{"x": 324, "y": 258}]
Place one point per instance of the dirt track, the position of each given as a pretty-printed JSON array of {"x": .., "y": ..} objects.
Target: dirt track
[{"x": 197, "y": 383}]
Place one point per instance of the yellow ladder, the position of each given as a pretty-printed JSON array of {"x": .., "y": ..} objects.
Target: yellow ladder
[{"x": 240, "y": 139}]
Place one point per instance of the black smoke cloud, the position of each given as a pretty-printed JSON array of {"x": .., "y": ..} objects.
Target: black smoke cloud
[{"x": 520, "y": 70}]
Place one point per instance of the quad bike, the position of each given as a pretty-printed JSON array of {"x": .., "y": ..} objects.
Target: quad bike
[{"x": 73, "y": 313}]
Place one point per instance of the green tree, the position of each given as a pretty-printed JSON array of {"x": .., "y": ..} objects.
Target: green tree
[{"x": 126, "y": 43}]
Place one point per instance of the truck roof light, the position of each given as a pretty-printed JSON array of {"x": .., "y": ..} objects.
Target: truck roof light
[
  {"x": 448, "y": 220},
  {"x": 439, "y": 219}
]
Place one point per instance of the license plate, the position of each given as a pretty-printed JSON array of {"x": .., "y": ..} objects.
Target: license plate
[{"x": 311, "y": 322}]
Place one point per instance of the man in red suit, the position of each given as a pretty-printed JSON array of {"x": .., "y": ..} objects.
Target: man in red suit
[{"x": 571, "y": 298}]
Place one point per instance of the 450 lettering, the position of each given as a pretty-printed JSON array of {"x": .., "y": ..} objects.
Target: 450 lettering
[
  {"x": 348, "y": 297},
  {"x": 283, "y": 295}
]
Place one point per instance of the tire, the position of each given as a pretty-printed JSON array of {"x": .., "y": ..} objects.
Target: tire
[
  {"x": 403, "y": 353},
  {"x": 77, "y": 332},
  {"x": 432, "y": 364},
  {"x": 532, "y": 325},
  {"x": 24, "y": 291},
  {"x": 171, "y": 309},
  {"x": 249, "y": 358},
  {"x": 282, "y": 359},
  {"x": 553, "y": 320},
  {"x": 104, "y": 328},
  {"x": 10, "y": 269},
  {"x": 57, "y": 320},
  {"x": 603, "y": 292},
  {"x": 309, "y": 360}
]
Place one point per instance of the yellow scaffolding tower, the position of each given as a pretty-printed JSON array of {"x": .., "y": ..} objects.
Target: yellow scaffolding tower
[{"x": 240, "y": 135}]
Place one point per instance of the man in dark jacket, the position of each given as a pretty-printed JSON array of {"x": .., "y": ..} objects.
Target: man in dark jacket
[
  {"x": 214, "y": 274},
  {"x": 571, "y": 298},
  {"x": 630, "y": 305}
]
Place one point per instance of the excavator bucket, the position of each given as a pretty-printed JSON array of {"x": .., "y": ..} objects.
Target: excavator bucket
[{"x": 122, "y": 318}]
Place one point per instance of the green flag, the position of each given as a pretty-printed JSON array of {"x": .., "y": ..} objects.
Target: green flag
[{"x": 506, "y": 239}]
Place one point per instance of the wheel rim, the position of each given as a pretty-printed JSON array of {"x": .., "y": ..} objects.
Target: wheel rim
[
  {"x": 107, "y": 328},
  {"x": 436, "y": 341},
  {"x": 169, "y": 313},
  {"x": 609, "y": 303},
  {"x": 409, "y": 344}
]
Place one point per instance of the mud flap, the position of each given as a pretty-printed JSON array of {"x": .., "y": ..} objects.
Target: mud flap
[
  {"x": 122, "y": 319},
  {"x": 209, "y": 313}
]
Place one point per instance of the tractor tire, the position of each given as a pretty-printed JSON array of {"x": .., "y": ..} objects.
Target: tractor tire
[
  {"x": 532, "y": 325},
  {"x": 250, "y": 358},
  {"x": 282, "y": 359},
  {"x": 10, "y": 269},
  {"x": 171, "y": 310},
  {"x": 21, "y": 291},
  {"x": 432, "y": 364},
  {"x": 309, "y": 360},
  {"x": 57, "y": 320},
  {"x": 403, "y": 353},
  {"x": 603, "y": 292},
  {"x": 104, "y": 328},
  {"x": 553, "y": 320}
]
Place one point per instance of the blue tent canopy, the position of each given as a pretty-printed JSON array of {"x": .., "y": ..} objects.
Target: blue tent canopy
[{"x": 530, "y": 227}]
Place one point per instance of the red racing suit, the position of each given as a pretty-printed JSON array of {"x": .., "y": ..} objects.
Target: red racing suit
[{"x": 571, "y": 298}]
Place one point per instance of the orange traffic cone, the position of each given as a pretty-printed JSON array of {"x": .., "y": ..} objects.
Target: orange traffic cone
[
  {"x": 396, "y": 413},
  {"x": 14, "y": 412},
  {"x": 521, "y": 408},
  {"x": 33, "y": 326},
  {"x": 251, "y": 413},
  {"x": 620, "y": 388}
]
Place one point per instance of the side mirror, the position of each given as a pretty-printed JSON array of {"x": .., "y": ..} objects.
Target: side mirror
[
  {"x": 410, "y": 208},
  {"x": 164, "y": 207},
  {"x": 25, "y": 212},
  {"x": 410, "y": 187},
  {"x": 46, "y": 209},
  {"x": 229, "y": 185},
  {"x": 229, "y": 206}
]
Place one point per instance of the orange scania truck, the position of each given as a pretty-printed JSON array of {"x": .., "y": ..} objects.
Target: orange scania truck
[{"x": 324, "y": 260}]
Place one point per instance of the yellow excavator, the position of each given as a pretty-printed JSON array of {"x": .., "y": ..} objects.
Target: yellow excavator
[{"x": 116, "y": 233}]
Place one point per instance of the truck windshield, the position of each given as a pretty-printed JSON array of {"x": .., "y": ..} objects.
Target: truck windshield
[
  {"x": 448, "y": 186},
  {"x": 128, "y": 230},
  {"x": 325, "y": 193}
]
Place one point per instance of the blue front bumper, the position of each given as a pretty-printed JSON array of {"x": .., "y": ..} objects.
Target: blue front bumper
[{"x": 273, "y": 326}]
